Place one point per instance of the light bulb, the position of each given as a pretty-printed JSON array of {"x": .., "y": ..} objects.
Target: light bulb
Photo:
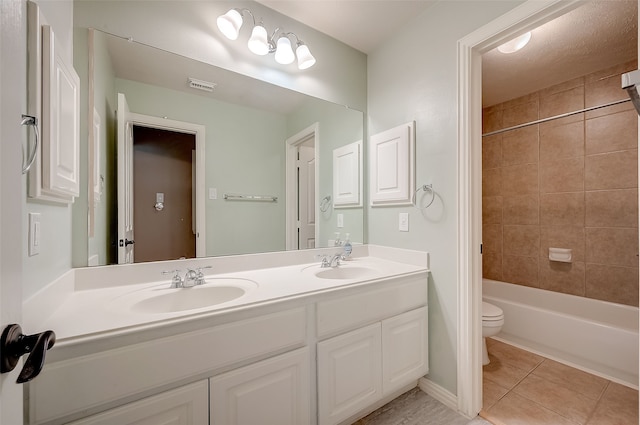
[
  {"x": 305, "y": 58},
  {"x": 284, "y": 53},
  {"x": 258, "y": 43},
  {"x": 515, "y": 44},
  {"x": 230, "y": 23}
]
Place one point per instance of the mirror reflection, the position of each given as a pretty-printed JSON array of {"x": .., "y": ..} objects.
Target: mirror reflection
[{"x": 186, "y": 159}]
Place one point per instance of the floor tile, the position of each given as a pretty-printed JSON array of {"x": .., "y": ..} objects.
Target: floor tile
[
  {"x": 574, "y": 379},
  {"x": 491, "y": 393},
  {"x": 515, "y": 356},
  {"x": 504, "y": 374},
  {"x": 618, "y": 406},
  {"x": 513, "y": 409},
  {"x": 567, "y": 403}
]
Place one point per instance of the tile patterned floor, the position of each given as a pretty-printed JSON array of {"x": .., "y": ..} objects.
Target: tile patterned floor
[
  {"x": 522, "y": 388},
  {"x": 417, "y": 408}
]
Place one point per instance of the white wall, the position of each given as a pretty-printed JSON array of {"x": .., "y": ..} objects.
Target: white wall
[{"x": 413, "y": 76}]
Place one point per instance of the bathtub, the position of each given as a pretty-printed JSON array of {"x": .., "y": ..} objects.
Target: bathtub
[{"x": 596, "y": 336}]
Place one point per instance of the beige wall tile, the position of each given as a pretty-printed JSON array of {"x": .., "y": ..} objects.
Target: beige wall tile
[
  {"x": 492, "y": 238},
  {"x": 521, "y": 209},
  {"x": 492, "y": 182},
  {"x": 610, "y": 133},
  {"x": 571, "y": 237},
  {"x": 492, "y": 266},
  {"x": 520, "y": 270},
  {"x": 492, "y": 210},
  {"x": 616, "y": 170},
  {"x": 562, "y": 209},
  {"x": 492, "y": 151},
  {"x": 520, "y": 114},
  {"x": 520, "y": 180},
  {"x": 520, "y": 146},
  {"x": 521, "y": 240},
  {"x": 612, "y": 283},
  {"x": 527, "y": 98},
  {"x": 562, "y": 87},
  {"x": 612, "y": 208},
  {"x": 567, "y": 278},
  {"x": 563, "y": 138},
  {"x": 604, "y": 86},
  {"x": 492, "y": 118},
  {"x": 562, "y": 102},
  {"x": 612, "y": 246},
  {"x": 564, "y": 175}
]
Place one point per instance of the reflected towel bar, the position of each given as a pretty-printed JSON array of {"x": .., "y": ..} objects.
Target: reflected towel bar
[{"x": 236, "y": 197}]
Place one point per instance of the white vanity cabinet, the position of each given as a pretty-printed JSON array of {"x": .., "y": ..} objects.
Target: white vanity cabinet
[
  {"x": 358, "y": 368},
  {"x": 188, "y": 405},
  {"x": 275, "y": 391}
]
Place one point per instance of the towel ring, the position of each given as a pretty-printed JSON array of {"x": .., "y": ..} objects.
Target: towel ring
[
  {"x": 31, "y": 121},
  {"x": 424, "y": 187},
  {"x": 325, "y": 203}
]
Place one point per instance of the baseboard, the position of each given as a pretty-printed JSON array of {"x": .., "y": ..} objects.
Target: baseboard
[{"x": 436, "y": 391}]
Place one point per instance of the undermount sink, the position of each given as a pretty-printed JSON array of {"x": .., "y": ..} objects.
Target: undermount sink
[
  {"x": 159, "y": 300},
  {"x": 342, "y": 272}
]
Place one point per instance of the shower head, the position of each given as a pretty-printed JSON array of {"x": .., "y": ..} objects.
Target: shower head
[{"x": 631, "y": 82}]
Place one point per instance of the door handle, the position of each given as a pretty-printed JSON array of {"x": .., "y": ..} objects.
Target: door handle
[
  {"x": 126, "y": 242},
  {"x": 14, "y": 344}
]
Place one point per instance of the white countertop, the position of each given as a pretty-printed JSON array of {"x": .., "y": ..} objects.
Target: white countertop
[{"x": 90, "y": 308}]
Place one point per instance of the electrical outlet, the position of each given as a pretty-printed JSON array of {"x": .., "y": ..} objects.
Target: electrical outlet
[
  {"x": 340, "y": 220},
  {"x": 34, "y": 234},
  {"x": 403, "y": 222}
]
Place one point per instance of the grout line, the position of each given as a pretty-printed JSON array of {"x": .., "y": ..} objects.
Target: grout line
[{"x": 598, "y": 401}]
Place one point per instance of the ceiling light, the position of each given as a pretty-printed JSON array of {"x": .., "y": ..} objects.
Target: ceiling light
[
  {"x": 515, "y": 44},
  {"x": 261, "y": 44}
]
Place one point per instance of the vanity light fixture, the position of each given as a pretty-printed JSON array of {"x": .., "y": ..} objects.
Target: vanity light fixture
[
  {"x": 515, "y": 44},
  {"x": 261, "y": 44}
]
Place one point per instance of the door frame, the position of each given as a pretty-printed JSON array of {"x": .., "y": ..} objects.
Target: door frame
[
  {"x": 199, "y": 132},
  {"x": 519, "y": 20},
  {"x": 291, "y": 216}
]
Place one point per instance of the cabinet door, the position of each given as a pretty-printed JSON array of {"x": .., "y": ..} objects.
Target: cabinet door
[
  {"x": 404, "y": 349},
  {"x": 349, "y": 374},
  {"x": 187, "y": 405},
  {"x": 275, "y": 391}
]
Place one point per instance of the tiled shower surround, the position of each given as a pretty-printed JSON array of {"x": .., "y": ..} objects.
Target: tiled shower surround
[{"x": 567, "y": 183}]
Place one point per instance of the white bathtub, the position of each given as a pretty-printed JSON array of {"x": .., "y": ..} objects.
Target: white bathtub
[{"x": 596, "y": 336}]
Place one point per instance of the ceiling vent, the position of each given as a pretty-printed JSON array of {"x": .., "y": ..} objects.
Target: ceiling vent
[{"x": 201, "y": 85}]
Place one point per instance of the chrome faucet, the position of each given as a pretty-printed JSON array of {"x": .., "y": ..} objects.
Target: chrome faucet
[
  {"x": 331, "y": 260},
  {"x": 192, "y": 277}
]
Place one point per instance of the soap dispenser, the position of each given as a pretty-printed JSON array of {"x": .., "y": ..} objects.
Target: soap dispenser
[{"x": 347, "y": 247}]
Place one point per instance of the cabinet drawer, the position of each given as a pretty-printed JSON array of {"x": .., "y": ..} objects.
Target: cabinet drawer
[
  {"x": 350, "y": 312},
  {"x": 185, "y": 406},
  {"x": 96, "y": 379}
]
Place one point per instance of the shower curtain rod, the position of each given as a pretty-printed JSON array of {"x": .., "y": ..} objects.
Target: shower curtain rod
[{"x": 568, "y": 114}]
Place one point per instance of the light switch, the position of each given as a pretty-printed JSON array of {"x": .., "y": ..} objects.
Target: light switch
[
  {"x": 340, "y": 220},
  {"x": 34, "y": 234},
  {"x": 403, "y": 224},
  {"x": 160, "y": 197},
  {"x": 213, "y": 193}
]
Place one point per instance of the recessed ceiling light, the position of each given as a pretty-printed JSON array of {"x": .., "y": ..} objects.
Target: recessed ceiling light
[{"x": 515, "y": 44}]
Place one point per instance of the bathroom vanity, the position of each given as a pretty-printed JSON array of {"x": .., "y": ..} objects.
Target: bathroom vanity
[{"x": 301, "y": 344}]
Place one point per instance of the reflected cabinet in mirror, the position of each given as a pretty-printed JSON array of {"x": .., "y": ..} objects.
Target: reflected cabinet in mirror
[{"x": 186, "y": 159}]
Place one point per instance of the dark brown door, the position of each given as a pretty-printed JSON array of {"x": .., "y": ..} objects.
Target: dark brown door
[{"x": 163, "y": 164}]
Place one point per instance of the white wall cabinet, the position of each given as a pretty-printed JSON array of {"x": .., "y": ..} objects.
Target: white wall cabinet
[
  {"x": 359, "y": 368},
  {"x": 188, "y": 405},
  {"x": 275, "y": 391}
]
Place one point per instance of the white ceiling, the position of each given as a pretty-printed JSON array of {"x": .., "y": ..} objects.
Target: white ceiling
[{"x": 592, "y": 37}]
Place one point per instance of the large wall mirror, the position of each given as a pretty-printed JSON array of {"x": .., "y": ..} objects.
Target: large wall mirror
[{"x": 240, "y": 167}]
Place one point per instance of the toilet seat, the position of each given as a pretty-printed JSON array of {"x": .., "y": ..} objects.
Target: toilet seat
[{"x": 491, "y": 313}]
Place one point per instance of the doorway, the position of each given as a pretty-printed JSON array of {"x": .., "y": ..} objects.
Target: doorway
[
  {"x": 301, "y": 188},
  {"x": 164, "y": 201}
]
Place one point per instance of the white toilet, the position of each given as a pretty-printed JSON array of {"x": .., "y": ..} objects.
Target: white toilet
[{"x": 492, "y": 321}]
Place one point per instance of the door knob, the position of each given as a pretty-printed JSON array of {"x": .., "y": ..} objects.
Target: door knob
[
  {"x": 126, "y": 242},
  {"x": 14, "y": 344}
]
